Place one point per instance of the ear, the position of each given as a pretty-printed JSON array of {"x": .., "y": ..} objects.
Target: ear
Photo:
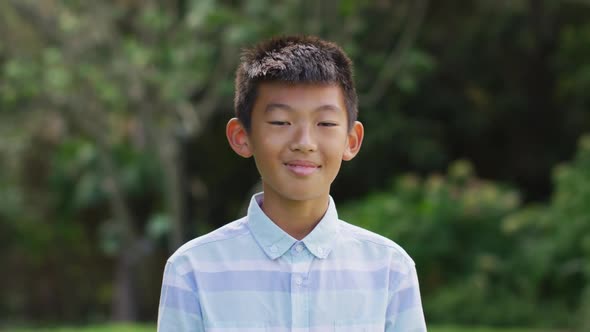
[
  {"x": 354, "y": 141},
  {"x": 237, "y": 136}
]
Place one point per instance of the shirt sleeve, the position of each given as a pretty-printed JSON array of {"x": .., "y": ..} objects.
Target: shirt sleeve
[
  {"x": 179, "y": 309},
  {"x": 404, "y": 311}
]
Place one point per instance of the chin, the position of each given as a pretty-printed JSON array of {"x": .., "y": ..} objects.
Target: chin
[{"x": 301, "y": 195}]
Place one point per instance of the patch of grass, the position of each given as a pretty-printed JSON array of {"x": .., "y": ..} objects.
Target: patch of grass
[
  {"x": 481, "y": 329},
  {"x": 94, "y": 328}
]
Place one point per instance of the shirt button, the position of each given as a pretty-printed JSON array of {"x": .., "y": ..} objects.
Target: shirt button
[
  {"x": 298, "y": 280},
  {"x": 320, "y": 250},
  {"x": 273, "y": 248},
  {"x": 298, "y": 248}
]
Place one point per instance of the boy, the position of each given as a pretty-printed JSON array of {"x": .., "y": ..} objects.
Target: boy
[{"x": 291, "y": 264}]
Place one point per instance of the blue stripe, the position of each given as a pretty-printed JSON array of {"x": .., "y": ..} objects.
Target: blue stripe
[
  {"x": 403, "y": 300},
  {"x": 351, "y": 279},
  {"x": 267, "y": 281},
  {"x": 180, "y": 299},
  {"x": 408, "y": 298},
  {"x": 276, "y": 281}
]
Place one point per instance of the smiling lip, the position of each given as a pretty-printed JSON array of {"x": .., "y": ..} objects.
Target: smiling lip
[{"x": 302, "y": 167}]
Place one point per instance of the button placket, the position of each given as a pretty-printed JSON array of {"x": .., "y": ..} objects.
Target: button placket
[{"x": 302, "y": 260}]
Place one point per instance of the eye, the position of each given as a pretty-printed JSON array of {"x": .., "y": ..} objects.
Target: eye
[
  {"x": 327, "y": 124},
  {"x": 279, "y": 123}
]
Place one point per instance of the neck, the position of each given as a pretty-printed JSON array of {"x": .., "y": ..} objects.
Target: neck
[{"x": 296, "y": 218}]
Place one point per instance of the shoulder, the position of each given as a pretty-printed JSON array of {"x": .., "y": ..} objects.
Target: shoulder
[
  {"x": 220, "y": 237},
  {"x": 374, "y": 242}
]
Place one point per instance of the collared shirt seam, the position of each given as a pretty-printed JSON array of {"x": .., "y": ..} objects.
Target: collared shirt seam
[
  {"x": 395, "y": 249},
  {"x": 394, "y": 246},
  {"x": 210, "y": 241}
]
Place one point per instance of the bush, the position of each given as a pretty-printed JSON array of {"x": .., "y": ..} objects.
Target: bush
[
  {"x": 450, "y": 225},
  {"x": 483, "y": 257}
]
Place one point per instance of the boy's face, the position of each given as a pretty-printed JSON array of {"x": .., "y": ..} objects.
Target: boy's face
[{"x": 299, "y": 136}]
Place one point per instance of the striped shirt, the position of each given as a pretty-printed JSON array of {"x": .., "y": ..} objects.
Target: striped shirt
[{"x": 251, "y": 276}]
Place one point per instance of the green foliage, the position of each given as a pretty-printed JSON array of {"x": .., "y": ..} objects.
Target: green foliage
[
  {"x": 97, "y": 328},
  {"x": 484, "y": 258},
  {"x": 553, "y": 241},
  {"x": 450, "y": 226}
]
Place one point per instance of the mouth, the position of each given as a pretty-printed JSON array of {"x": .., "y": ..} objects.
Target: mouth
[{"x": 302, "y": 168}]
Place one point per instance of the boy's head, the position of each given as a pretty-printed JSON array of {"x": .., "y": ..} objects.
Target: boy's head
[
  {"x": 296, "y": 115},
  {"x": 293, "y": 59}
]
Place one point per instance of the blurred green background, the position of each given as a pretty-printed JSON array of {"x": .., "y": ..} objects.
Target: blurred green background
[{"x": 476, "y": 158}]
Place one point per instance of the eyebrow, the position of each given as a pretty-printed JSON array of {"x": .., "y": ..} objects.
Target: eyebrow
[{"x": 278, "y": 106}]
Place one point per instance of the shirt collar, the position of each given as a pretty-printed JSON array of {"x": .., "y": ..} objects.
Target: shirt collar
[{"x": 275, "y": 242}]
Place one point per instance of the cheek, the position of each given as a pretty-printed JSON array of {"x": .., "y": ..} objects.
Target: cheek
[
  {"x": 333, "y": 157},
  {"x": 271, "y": 141},
  {"x": 335, "y": 146},
  {"x": 264, "y": 144}
]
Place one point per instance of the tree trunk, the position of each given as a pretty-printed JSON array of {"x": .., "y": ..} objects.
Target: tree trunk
[{"x": 124, "y": 298}]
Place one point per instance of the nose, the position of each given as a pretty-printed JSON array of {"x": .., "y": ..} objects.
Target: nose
[{"x": 304, "y": 140}]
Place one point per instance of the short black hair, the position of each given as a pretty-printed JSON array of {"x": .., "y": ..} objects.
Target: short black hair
[{"x": 293, "y": 59}]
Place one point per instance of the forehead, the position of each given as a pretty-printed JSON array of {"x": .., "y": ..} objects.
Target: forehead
[{"x": 300, "y": 96}]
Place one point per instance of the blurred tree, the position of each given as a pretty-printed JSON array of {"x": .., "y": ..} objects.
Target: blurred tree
[
  {"x": 450, "y": 227},
  {"x": 489, "y": 81},
  {"x": 128, "y": 80},
  {"x": 552, "y": 242}
]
